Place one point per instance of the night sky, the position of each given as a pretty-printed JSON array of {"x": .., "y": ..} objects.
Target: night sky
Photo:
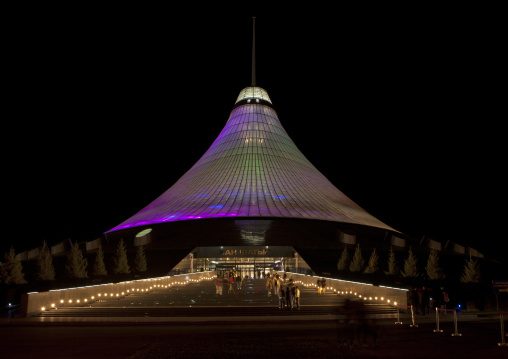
[{"x": 106, "y": 110}]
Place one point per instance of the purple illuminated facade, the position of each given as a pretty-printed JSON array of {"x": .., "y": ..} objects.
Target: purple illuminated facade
[
  {"x": 252, "y": 170},
  {"x": 253, "y": 191}
]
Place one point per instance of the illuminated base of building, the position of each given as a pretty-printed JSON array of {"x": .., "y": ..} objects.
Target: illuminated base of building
[{"x": 250, "y": 261}]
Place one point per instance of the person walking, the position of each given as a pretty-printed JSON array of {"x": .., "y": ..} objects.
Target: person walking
[
  {"x": 269, "y": 285},
  {"x": 238, "y": 282},
  {"x": 282, "y": 298},
  {"x": 288, "y": 299},
  {"x": 318, "y": 283},
  {"x": 275, "y": 284},
  {"x": 445, "y": 299},
  {"x": 293, "y": 295},
  {"x": 297, "y": 298},
  {"x": 218, "y": 285},
  {"x": 426, "y": 301},
  {"x": 230, "y": 290}
]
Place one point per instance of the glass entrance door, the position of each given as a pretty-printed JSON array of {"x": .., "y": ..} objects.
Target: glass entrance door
[{"x": 245, "y": 270}]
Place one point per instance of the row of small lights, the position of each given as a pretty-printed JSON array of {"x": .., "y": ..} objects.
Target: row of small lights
[
  {"x": 53, "y": 305},
  {"x": 134, "y": 290},
  {"x": 346, "y": 293}
]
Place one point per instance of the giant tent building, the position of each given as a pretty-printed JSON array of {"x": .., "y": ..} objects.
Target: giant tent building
[{"x": 253, "y": 202}]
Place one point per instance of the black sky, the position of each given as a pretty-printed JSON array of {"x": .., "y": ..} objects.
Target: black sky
[{"x": 105, "y": 111}]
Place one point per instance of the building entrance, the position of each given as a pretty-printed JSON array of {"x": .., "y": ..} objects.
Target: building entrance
[
  {"x": 247, "y": 267},
  {"x": 253, "y": 262}
]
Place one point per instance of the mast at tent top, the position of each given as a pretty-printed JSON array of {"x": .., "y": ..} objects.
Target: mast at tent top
[{"x": 253, "y": 80}]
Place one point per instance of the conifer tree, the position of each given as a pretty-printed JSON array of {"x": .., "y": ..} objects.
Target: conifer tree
[
  {"x": 45, "y": 268},
  {"x": 410, "y": 266},
  {"x": 373, "y": 265},
  {"x": 432, "y": 267},
  {"x": 140, "y": 260},
  {"x": 76, "y": 263},
  {"x": 12, "y": 269},
  {"x": 471, "y": 271},
  {"x": 343, "y": 263},
  {"x": 357, "y": 263},
  {"x": 99, "y": 268},
  {"x": 393, "y": 268},
  {"x": 121, "y": 263}
]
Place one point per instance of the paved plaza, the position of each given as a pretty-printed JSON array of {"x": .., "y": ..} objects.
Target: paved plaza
[{"x": 192, "y": 321}]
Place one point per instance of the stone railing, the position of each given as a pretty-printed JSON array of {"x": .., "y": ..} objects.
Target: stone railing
[
  {"x": 33, "y": 303},
  {"x": 364, "y": 291}
]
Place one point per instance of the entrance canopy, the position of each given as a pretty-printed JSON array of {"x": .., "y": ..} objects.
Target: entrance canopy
[{"x": 253, "y": 261}]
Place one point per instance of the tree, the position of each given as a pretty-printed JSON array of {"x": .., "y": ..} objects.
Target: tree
[
  {"x": 12, "y": 269},
  {"x": 45, "y": 268},
  {"x": 410, "y": 266},
  {"x": 471, "y": 271},
  {"x": 357, "y": 263},
  {"x": 393, "y": 269},
  {"x": 99, "y": 268},
  {"x": 432, "y": 267},
  {"x": 140, "y": 260},
  {"x": 120, "y": 259},
  {"x": 373, "y": 265},
  {"x": 343, "y": 263},
  {"x": 76, "y": 263}
]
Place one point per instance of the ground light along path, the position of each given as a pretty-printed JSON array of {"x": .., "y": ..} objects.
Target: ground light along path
[{"x": 199, "y": 300}]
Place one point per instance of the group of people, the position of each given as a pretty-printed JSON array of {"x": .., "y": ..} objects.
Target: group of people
[
  {"x": 289, "y": 297},
  {"x": 424, "y": 299},
  {"x": 321, "y": 285},
  {"x": 229, "y": 279},
  {"x": 286, "y": 291}
]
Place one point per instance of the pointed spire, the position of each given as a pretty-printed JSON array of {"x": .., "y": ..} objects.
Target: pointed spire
[{"x": 253, "y": 81}]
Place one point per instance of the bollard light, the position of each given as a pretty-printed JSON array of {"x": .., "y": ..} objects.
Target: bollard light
[{"x": 43, "y": 309}]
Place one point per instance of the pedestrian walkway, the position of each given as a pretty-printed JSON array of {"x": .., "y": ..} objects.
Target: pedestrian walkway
[{"x": 200, "y": 300}]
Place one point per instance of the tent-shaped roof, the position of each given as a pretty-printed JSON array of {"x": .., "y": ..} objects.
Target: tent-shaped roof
[{"x": 253, "y": 169}]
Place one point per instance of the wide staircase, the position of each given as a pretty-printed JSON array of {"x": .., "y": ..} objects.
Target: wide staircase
[{"x": 200, "y": 300}]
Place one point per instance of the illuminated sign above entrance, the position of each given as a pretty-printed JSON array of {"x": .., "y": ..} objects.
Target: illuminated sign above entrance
[{"x": 245, "y": 252}]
